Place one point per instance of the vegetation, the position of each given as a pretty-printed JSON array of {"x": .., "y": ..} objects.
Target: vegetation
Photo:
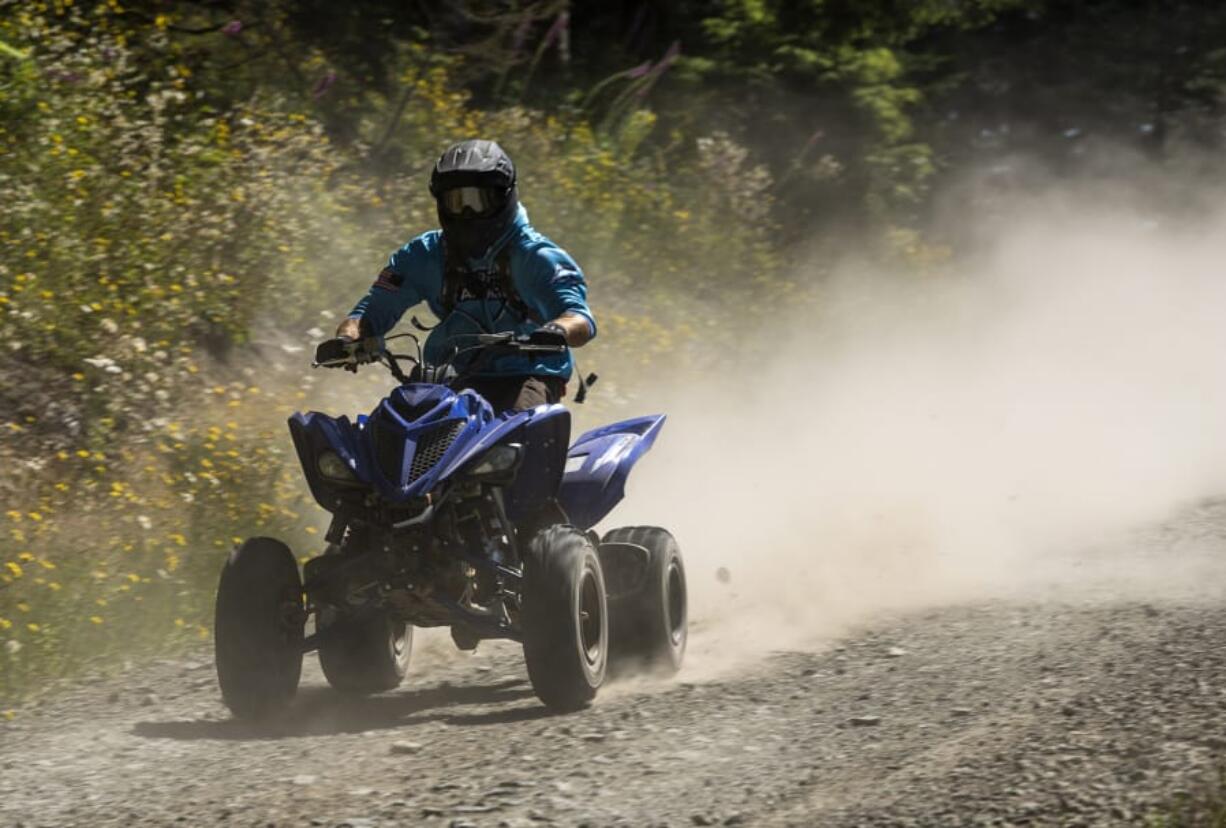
[{"x": 193, "y": 189}]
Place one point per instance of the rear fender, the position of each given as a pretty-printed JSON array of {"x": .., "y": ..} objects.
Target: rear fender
[{"x": 598, "y": 464}]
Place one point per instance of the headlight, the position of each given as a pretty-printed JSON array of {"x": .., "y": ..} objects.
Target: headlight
[
  {"x": 333, "y": 467},
  {"x": 498, "y": 460}
]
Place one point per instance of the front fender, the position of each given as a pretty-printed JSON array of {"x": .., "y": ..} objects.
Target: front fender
[
  {"x": 314, "y": 433},
  {"x": 598, "y": 464}
]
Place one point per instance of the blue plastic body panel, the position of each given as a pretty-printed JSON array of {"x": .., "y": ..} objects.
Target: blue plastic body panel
[
  {"x": 598, "y": 464},
  {"x": 430, "y": 406},
  {"x": 380, "y": 449},
  {"x": 414, "y": 411}
]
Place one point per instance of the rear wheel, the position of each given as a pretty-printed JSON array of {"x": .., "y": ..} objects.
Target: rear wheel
[
  {"x": 258, "y": 629},
  {"x": 650, "y": 618},
  {"x": 363, "y": 654},
  {"x": 565, "y": 618}
]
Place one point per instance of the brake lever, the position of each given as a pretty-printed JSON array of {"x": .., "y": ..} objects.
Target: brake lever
[
  {"x": 540, "y": 349},
  {"x": 332, "y": 363}
]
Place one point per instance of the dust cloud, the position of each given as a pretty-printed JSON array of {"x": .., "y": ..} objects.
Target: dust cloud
[{"x": 926, "y": 439}]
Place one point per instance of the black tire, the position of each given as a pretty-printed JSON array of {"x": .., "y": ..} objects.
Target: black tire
[
  {"x": 650, "y": 622},
  {"x": 565, "y": 618},
  {"x": 258, "y": 629},
  {"x": 368, "y": 654}
]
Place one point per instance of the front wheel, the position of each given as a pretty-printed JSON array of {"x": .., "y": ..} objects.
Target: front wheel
[
  {"x": 258, "y": 629},
  {"x": 363, "y": 655},
  {"x": 565, "y": 618},
  {"x": 650, "y": 619}
]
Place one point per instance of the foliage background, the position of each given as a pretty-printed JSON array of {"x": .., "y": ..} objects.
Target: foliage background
[{"x": 194, "y": 191}]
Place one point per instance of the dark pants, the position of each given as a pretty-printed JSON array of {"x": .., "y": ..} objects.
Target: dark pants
[{"x": 518, "y": 393}]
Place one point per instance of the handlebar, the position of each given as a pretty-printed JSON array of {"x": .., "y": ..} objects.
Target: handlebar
[
  {"x": 350, "y": 354},
  {"x": 517, "y": 344}
]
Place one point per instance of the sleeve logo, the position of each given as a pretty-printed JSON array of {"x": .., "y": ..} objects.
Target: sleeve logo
[{"x": 389, "y": 280}]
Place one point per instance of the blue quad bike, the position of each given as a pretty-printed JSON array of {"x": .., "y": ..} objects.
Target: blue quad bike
[{"x": 445, "y": 514}]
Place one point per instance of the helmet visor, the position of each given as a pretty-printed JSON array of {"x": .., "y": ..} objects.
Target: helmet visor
[{"x": 479, "y": 201}]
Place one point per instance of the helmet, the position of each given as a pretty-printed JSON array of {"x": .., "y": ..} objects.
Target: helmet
[{"x": 473, "y": 183}]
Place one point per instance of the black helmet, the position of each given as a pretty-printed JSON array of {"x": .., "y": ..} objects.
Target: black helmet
[{"x": 474, "y": 185}]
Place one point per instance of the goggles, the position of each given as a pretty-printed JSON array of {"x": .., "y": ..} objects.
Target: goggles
[{"x": 482, "y": 201}]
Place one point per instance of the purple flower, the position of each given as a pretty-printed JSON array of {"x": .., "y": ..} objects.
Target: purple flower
[
  {"x": 670, "y": 56},
  {"x": 521, "y": 34},
  {"x": 232, "y": 28},
  {"x": 323, "y": 85},
  {"x": 674, "y": 52},
  {"x": 638, "y": 71},
  {"x": 556, "y": 29}
]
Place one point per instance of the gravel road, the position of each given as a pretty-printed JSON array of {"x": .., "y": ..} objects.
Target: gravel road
[{"x": 1089, "y": 700}]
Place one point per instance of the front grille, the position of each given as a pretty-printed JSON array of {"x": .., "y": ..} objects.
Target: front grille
[
  {"x": 431, "y": 447},
  {"x": 389, "y": 450}
]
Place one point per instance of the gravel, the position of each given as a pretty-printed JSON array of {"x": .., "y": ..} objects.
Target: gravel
[{"x": 1086, "y": 706}]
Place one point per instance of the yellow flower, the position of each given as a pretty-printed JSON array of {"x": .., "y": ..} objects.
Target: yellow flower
[
  {"x": 5, "y": 624},
  {"x": 15, "y": 569},
  {"x": 23, "y": 606},
  {"x": 179, "y": 622},
  {"x": 25, "y": 557},
  {"x": 33, "y": 627},
  {"x": 95, "y": 619},
  {"x": 9, "y": 715},
  {"x": 54, "y": 587}
]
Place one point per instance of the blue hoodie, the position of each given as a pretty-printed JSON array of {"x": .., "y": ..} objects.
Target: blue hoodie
[{"x": 546, "y": 277}]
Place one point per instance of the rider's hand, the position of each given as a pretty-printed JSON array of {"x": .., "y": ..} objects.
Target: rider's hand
[
  {"x": 334, "y": 350},
  {"x": 350, "y": 328},
  {"x": 550, "y": 333}
]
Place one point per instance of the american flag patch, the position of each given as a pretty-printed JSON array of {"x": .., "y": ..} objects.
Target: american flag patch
[{"x": 388, "y": 279}]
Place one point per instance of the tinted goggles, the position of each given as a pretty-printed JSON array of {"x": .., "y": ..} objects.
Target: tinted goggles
[{"x": 482, "y": 201}]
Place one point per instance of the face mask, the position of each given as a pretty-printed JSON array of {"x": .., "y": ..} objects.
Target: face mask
[{"x": 470, "y": 235}]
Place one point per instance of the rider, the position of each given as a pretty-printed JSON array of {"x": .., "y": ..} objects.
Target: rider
[{"x": 486, "y": 271}]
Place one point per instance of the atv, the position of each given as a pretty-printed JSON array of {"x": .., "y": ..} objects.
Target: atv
[{"x": 445, "y": 514}]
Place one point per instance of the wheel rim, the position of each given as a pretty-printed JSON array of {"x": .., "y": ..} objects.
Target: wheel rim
[
  {"x": 591, "y": 618},
  {"x": 676, "y": 603}
]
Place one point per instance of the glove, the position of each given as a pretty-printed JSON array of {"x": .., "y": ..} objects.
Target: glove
[
  {"x": 551, "y": 333},
  {"x": 331, "y": 350}
]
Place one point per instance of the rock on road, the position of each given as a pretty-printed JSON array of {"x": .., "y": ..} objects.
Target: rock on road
[{"x": 1073, "y": 707}]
